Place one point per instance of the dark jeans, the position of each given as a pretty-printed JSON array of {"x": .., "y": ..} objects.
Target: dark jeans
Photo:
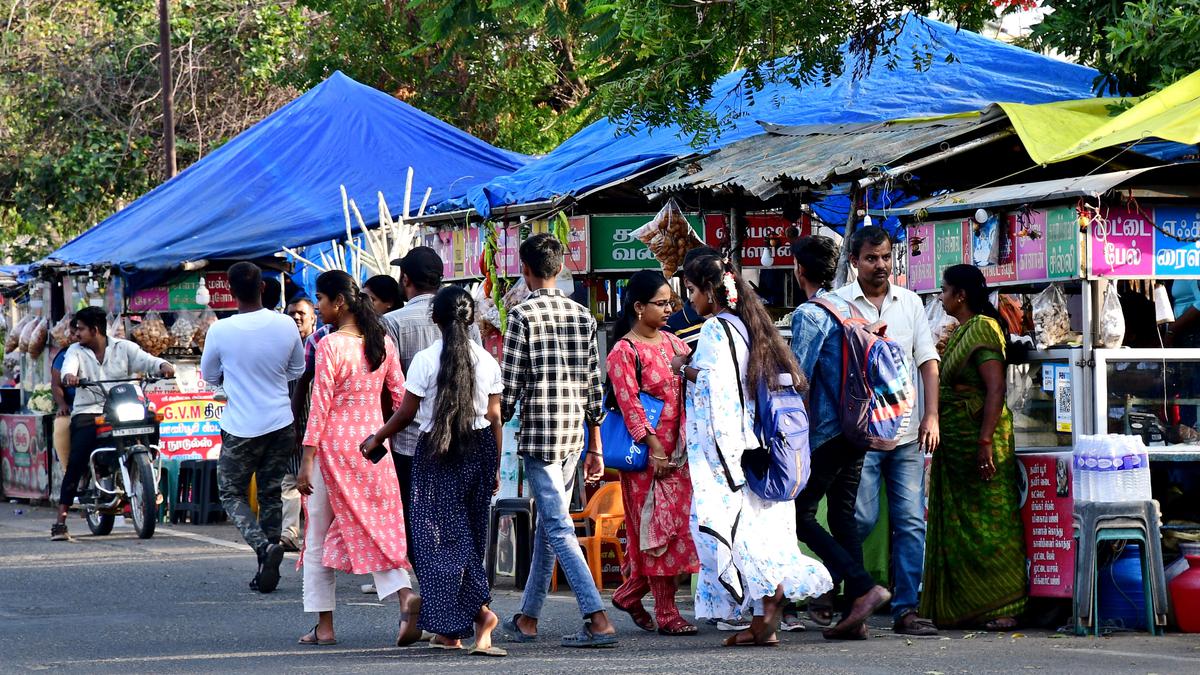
[
  {"x": 266, "y": 459},
  {"x": 836, "y": 467},
  {"x": 83, "y": 442},
  {"x": 404, "y": 472}
]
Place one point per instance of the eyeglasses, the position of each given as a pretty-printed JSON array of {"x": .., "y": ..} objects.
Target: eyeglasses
[{"x": 662, "y": 304}]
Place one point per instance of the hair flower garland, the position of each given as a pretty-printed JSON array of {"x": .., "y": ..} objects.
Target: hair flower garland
[{"x": 731, "y": 293}]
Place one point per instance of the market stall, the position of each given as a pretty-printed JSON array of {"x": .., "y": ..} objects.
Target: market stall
[{"x": 1085, "y": 269}]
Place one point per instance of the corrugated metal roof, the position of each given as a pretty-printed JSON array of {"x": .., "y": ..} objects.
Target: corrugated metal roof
[
  {"x": 1020, "y": 193},
  {"x": 813, "y": 154}
]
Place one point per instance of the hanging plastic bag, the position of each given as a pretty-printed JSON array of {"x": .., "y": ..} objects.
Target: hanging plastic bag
[
  {"x": 669, "y": 237},
  {"x": 116, "y": 327},
  {"x": 941, "y": 323},
  {"x": 184, "y": 329},
  {"x": 1051, "y": 322},
  {"x": 1111, "y": 329},
  {"x": 207, "y": 319},
  {"x": 12, "y": 343},
  {"x": 38, "y": 337},
  {"x": 27, "y": 333},
  {"x": 152, "y": 334},
  {"x": 61, "y": 333}
]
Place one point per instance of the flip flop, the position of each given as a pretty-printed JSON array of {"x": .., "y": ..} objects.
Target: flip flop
[
  {"x": 678, "y": 626},
  {"x": 315, "y": 641},
  {"x": 434, "y": 644},
  {"x": 413, "y": 633},
  {"x": 858, "y": 632},
  {"x": 1002, "y": 624},
  {"x": 586, "y": 639},
  {"x": 746, "y": 638},
  {"x": 518, "y": 635},
  {"x": 487, "y": 651},
  {"x": 641, "y": 618}
]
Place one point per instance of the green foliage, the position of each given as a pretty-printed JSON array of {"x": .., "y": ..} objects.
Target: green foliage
[
  {"x": 80, "y": 114},
  {"x": 1137, "y": 45}
]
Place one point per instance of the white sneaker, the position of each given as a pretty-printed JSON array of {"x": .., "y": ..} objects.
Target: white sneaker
[
  {"x": 792, "y": 624},
  {"x": 368, "y": 589}
]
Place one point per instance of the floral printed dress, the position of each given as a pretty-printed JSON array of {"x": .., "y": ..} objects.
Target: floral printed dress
[
  {"x": 661, "y": 544},
  {"x": 367, "y": 532},
  {"x": 747, "y": 546}
]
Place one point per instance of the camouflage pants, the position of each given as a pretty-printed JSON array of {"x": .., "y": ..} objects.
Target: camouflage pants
[{"x": 241, "y": 458}]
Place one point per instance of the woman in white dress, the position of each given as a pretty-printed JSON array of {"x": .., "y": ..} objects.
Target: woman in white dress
[{"x": 749, "y": 555}]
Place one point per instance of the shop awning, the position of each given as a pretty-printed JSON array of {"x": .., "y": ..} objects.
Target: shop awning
[
  {"x": 817, "y": 155},
  {"x": 277, "y": 183},
  {"x": 1055, "y": 132},
  {"x": 1028, "y": 193},
  {"x": 983, "y": 71}
]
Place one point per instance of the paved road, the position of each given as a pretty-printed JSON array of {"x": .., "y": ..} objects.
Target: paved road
[{"x": 179, "y": 603}]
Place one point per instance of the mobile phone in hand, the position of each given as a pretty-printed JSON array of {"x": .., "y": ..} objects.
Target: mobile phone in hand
[{"x": 378, "y": 453}]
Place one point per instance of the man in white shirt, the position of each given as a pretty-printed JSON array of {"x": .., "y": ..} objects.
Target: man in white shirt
[
  {"x": 254, "y": 355},
  {"x": 95, "y": 357},
  {"x": 903, "y": 469}
]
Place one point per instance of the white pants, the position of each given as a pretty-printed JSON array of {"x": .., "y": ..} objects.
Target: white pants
[
  {"x": 291, "y": 509},
  {"x": 319, "y": 586}
]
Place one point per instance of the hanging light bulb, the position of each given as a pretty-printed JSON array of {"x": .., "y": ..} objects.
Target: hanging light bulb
[
  {"x": 768, "y": 260},
  {"x": 981, "y": 216},
  {"x": 92, "y": 287},
  {"x": 202, "y": 296},
  {"x": 867, "y": 222}
]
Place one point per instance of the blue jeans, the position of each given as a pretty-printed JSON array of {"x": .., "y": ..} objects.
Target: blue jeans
[
  {"x": 904, "y": 471},
  {"x": 555, "y": 538}
]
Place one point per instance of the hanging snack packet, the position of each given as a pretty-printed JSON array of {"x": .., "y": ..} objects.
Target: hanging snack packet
[{"x": 669, "y": 236}]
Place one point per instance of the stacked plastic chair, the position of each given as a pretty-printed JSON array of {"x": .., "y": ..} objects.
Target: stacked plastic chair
[{"x": 1096, "y": 522}]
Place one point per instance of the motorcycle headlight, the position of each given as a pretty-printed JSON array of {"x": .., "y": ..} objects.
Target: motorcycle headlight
[{"x": 130, "y": 412}]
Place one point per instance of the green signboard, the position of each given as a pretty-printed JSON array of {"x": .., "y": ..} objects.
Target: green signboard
[
  {"x": 1062, "y": 243},
  {"x": 948, "y": 247},
  {"x": 615, "y": 250}
]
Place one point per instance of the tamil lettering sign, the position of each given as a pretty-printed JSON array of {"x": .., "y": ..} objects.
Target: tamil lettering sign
[
  {"x": 921, "y": 263},
  {"x": 1176, "y": 249},
  {"x": 191, "y": 425},
  {"x": 614, "y": 249},
  {"x": 764, "y": 231},
  {"x": 1122, "y": 244},
  {"x": 1046, "y": 504},
  {"x": 181, "y": 295},
  {"x": 24, "y": 457}
]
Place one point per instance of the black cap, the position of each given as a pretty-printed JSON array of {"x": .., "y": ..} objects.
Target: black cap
[{"x": 422, "y": 265}]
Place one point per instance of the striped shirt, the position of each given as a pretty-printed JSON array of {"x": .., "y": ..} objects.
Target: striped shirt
[
  {"x": 551, "y": 367},
  {"x": 685, "y": 325}
]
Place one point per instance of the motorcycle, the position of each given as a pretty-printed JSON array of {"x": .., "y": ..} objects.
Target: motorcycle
[{"x": 124, "y": 469}]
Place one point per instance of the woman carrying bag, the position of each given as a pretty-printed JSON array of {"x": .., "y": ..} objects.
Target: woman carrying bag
[{"x": 658, "y": 497}]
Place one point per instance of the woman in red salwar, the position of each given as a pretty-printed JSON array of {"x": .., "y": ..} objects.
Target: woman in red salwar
[
  {"x": 355, "y": 517},
  {"x": 658, "y": 500}
]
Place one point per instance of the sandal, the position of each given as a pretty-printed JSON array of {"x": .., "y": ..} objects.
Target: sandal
[
  {"x": 434, "y": 644},
  {"x": 641, "y": 618},
  {"x": 912, "y": 624},
  {"x": 518, "y": 635},
  {"x": 310, "y": 638},
  {"x": 585, "y": 638},
  {"x": 747, "y": 638},
  {"x": 410, "y": 633},
  {"x": 858, "y": 632},
  {"x": 677, "y": 626},
  {"x": 1003, "y": 623},
  {"x": 487, "y": 651}
]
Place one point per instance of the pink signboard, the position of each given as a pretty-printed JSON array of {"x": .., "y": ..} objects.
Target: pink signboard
[
  {"x": 1030, "y": 230},
  {"x": 511, "y": 245},
  {"x": 157, "y": 299},
  {"x": 1046, "y": 503},
  {"x": 921, "y": 260},
  {"x": 577, "y": 238},
  {"x": 1122, "y": 245}
]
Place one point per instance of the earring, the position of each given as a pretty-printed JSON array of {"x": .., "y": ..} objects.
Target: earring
[
  {"x": 639, "y": 316},
  {"x": 711, "y": 301}
]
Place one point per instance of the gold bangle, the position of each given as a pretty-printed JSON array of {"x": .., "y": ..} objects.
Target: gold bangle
[{"x": 662, "y": 457}]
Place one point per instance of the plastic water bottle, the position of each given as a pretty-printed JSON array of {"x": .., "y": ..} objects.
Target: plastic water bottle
[
  {"x": 1079, "y": 474},
  {"x": 1105, "y": 489}
]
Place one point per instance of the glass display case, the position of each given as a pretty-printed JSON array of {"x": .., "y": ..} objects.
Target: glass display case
[
  {"x": 1153, "y": 393},
  {"x": 1042, "y": 398}
]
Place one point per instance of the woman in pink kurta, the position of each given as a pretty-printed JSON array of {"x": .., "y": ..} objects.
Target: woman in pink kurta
[
  {"x": 658, "y": 500},
  {"x": 355, "y": 516}
]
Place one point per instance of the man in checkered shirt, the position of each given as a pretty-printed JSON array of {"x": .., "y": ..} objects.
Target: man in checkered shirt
[{"x": 552, "y": 368}]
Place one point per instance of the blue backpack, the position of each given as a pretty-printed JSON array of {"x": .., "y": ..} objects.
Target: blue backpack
[{"x": 779, "y": 468}]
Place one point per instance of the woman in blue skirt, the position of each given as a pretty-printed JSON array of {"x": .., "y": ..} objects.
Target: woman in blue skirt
[{"x": 452, "y": 392}]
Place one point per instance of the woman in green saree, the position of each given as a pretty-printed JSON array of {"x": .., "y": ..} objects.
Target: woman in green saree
[{"x": 974, "y": 549}]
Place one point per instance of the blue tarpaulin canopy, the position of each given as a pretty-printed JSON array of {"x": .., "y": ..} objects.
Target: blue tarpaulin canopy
[
  {"x": 984, "y": 71},
  {"x": 276, "y": 184}
]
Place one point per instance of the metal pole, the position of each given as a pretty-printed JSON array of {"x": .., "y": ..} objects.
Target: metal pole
[
  {"x": 843, "y": 268},
  {"x": 164, "y": 68}
]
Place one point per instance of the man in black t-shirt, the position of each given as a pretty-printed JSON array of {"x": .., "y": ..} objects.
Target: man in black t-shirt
[{"x": 686, "y": 323}]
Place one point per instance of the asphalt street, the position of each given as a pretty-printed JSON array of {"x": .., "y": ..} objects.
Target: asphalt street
[{"x": 179, "y": 603}]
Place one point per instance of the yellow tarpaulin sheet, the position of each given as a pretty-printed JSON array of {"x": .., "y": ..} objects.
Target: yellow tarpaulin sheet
[{"x": 1054, "y": 132}]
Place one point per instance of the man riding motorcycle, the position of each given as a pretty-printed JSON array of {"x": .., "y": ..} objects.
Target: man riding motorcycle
[{"x": 94, "y": 356}]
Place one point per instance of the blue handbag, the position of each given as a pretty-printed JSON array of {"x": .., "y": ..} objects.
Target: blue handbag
[{"x": 618, "y": 447}]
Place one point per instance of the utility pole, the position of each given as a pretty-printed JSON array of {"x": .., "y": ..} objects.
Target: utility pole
[{"x": 164, "y": 69}]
